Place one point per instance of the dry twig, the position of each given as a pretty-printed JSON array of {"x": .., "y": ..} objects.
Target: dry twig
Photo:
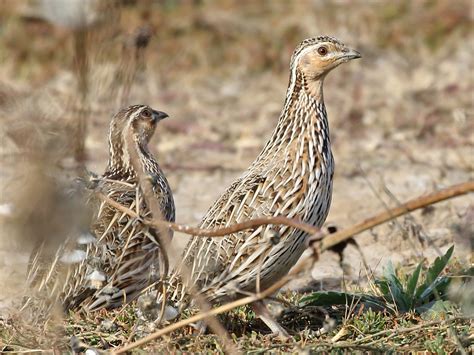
[
  {"x": 407, "y": 207},
  {"x": 218, "y": 232},
  {"x": 165, "y": 241}
]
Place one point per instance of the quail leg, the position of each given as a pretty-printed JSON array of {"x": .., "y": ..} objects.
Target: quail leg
[{"x": 262, "y": 311}]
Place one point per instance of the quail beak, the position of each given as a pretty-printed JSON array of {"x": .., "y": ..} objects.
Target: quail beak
[
  {"x": 159, "y": 115},
  {"x": 350, "y": 54}
]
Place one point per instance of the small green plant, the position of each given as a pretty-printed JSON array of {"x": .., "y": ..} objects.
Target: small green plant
[
  {"x": 411, "y": 294},
  {"x": 370, "y": 322},
  {"x": 420, "y": 291}
]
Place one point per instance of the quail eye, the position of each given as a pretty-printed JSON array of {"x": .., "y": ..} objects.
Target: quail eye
[
  {"x": 322, "y": 50},
  {"x": 146, "y": 113}
]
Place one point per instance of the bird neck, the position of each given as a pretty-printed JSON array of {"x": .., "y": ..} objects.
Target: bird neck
[
  {"x": 120, "y": 160},
  {"x": 303, "y": 117}
]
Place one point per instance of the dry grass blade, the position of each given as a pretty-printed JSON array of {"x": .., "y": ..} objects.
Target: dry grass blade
[
  {"x": 165, "y": 241},
  {"x": 145, "y": 185}
]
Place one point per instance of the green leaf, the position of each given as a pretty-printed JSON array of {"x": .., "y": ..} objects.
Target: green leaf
[
  {"x": 439, "y": 264},
  {"x": 389, "y": 271},
  {"x": 392, "y": 278},
  {"x": 411, "y": 285},
  {"x": 440, "y": 285},
  {"x": 432, "y": 274},
  {"x": 396, "y": 292},
  {"x": 383, "y": 288},
  {"x": 328, "y": 298}
]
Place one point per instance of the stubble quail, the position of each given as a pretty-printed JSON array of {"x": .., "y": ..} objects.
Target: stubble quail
[
  {"x": 291, "y": 177},
  {"x": 120, "y": 256}
]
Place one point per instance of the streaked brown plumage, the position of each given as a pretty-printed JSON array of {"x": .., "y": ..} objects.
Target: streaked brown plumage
[
  {"x": 291, "y": 177},
  {"x": 120, "y": 257}
]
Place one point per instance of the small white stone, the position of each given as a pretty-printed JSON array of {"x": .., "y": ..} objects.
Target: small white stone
[
  {"x": 96, "y": 276},
  {"x": 86, "y": 238},
  {"x": 74, "y": 256},
  {"x": 170, "y": 313}
]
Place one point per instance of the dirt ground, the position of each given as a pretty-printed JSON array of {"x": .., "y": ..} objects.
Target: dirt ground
[{"x": 401, "y": 118}]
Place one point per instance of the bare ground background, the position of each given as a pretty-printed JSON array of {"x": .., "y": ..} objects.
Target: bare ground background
[{"x": 401, "y": 118}]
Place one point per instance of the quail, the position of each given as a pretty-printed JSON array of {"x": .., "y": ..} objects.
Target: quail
[
  {"x": 119, "y": 256},
  {"x": 291, "y": 177}
]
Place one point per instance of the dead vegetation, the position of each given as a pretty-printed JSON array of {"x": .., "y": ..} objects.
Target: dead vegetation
[{"x": 401, "y": 125}]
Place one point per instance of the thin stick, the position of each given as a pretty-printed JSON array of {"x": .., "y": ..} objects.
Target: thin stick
[
  {"x": 450, "y": 192},
  {"x": 219, "y": 232},
  {"x": 167, "y": 249},
  {"x": 414, "y": 204},
  {"x": 152, "y": 203},
  {"x": 174, "y": 167}
]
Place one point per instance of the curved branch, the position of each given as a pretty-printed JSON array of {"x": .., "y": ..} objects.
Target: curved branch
[
  {"x": 218, "y": 232},
  {"x": 409, "y": 206}
]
